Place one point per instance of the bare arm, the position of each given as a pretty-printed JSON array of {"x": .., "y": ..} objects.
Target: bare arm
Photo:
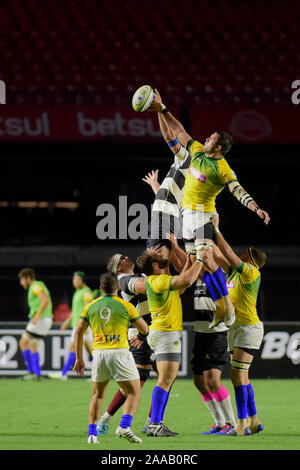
[
  {"x": 175, "y": 127},
  {"x": 187, "y": 277},
  {"x": 220, "y": 258},
  {"x": 65, "y": 325},
  {"x": 226, "y": 250},
  {"x": 140, "y": 286},
  {"x": 81, "y": 327},
  {"x": 178, "y": 255},
  {"x": 167, "y": 134},
  {"x": 152, "y": 180},
  {"x": 141, "y": 325}
]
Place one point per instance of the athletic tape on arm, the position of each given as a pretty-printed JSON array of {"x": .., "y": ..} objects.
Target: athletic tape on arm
[{"x": 239, "y": 193}]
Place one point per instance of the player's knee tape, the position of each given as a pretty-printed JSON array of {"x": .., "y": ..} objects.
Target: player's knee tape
[
  {"x": 144, "y": 373},
  {"x": 189, "y": 246},
  {"x": 202, "y": 245},
  {"x": 240, "y": 365},
  {"x": 30, "y": 339}
]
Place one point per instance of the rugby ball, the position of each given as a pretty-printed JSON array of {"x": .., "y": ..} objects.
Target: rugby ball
[{"x": 142, "y": 98}]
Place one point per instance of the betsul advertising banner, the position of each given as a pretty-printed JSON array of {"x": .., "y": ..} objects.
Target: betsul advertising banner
[
  {"x": 279, "y": 356},
  {"x": 246, "y": 125},
  {"x": 74, "y": 123}
]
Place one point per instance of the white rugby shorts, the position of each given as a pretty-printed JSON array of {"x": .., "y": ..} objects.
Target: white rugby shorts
[
  {"x": 245, "y": 336},
  {"x": 117, "y": 364},
  {"x": 194, "y": 220},
  {"x": 41, "y": 328},
  {"x": 164, "y": 342}
]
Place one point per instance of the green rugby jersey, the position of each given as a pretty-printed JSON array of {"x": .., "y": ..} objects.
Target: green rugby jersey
[
  {"x": 206, "y": 178},
  {"x": 34, "y": 301},
  {"x": 109, "y": 317},
  {"x": 243, "y": 286},
  {"x": 81, "y": 297}
]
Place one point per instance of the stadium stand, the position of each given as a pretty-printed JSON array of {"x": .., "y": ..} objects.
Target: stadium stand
[{"x": 62, "y": 53}]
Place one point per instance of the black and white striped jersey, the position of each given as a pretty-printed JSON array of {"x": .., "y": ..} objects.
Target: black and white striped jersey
[
  {"x": 204, "y": 309},
  {"x": 169, "y": 196},
  {"x": 140, "y": 301}
]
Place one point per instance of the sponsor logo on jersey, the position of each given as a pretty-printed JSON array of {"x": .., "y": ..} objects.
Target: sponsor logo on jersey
[
  {"x": 230, "y": 284},
  {"x": 106, "y": 338},
  {"x": 197, "y": 174}
]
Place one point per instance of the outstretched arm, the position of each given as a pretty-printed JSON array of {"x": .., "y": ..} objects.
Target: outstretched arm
[
  {"x": 178, "y": 255},
  {"x": 173, "y": 124},
  {"x": 244, "y": 198},
  {"x": 152, "y": 180},
  {"x": 188, "y": 275},
  {"x": 224, "y": 247}
]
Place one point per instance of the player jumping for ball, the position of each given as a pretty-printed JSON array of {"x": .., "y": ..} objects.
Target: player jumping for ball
[{"x": 208, "y": 174}]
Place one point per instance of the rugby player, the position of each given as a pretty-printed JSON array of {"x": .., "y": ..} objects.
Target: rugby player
[
  {"x": 207, "y": 176},
  {"x": 163, "y": 291},
  {"x": 108, "y": 317},
  {"x": 246, "y": 334},
  {"x": 209, "y": 356},
  {"x": 166, "y": 210},
  {"x": 82, "y": 295},
  {"x": 133, "y": 290},
  {"x": 40, "y": 321}
]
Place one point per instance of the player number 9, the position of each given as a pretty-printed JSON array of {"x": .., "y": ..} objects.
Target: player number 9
[{"x": 103, "y": 316}]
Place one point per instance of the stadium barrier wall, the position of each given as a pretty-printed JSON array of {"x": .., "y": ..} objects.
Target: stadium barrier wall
[
  {"x": 278, "y": 357},
  {"x": 94, "y": 123}
]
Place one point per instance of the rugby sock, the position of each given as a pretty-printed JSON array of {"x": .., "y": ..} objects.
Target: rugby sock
[
  {"x": 222, "y": 397},
  {"x": 126, "y": 421},
  {"x": 251, "y": 408},
  {"x": 220, "y": 282},
  {"x": 93, "y": 429},
  {"x": 165, "y": 404},
  {"x": 159, "y": 398},
  {"x": 211, "y": 285},
  {"x": 36, "y": 363},
  {"x": 214, "y": 408},
  {"x": 241, "y": 399},
  {"x": 70, "y": 362},
  {"x": 27, "y": 358},
  {"x": 116, "y": 403}
]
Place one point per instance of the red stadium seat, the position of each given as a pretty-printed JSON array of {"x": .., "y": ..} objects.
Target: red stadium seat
[{"x": 245, "y": 53}]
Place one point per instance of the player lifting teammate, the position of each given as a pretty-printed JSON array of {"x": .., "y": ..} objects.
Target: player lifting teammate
[{"x": 208, "y": 174}]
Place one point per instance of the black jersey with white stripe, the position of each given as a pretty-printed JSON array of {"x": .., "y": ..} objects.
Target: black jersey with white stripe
[
  {"x": 169, "y": 196},
  {"x": 140, "y": 301},
  {"x": 204, "y": 309}
]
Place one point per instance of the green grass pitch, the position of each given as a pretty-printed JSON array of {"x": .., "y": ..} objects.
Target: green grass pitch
[{"x": 53, "y": 415}]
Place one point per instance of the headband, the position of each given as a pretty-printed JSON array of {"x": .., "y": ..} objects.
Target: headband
[
  {"x": 116, "y": 260},
  {"x": 251, "y": 257}
]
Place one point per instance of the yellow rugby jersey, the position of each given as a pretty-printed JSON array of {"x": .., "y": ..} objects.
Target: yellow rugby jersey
[
  {"x": 243, "y": 286},
  {"x": 205, "y": 179},
  {"x": 108, "y": 317},
  {"x": 164, "y": 303}
]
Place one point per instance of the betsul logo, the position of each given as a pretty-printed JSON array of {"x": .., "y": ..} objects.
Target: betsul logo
[
  {"x": 2, "y": 92},
  {"x": 296, "y": 94}
]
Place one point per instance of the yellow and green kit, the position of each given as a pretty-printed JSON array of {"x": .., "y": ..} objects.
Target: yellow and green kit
[
  {"x": 108, "y": 317},
  {"x": 205, "y": 179}
]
